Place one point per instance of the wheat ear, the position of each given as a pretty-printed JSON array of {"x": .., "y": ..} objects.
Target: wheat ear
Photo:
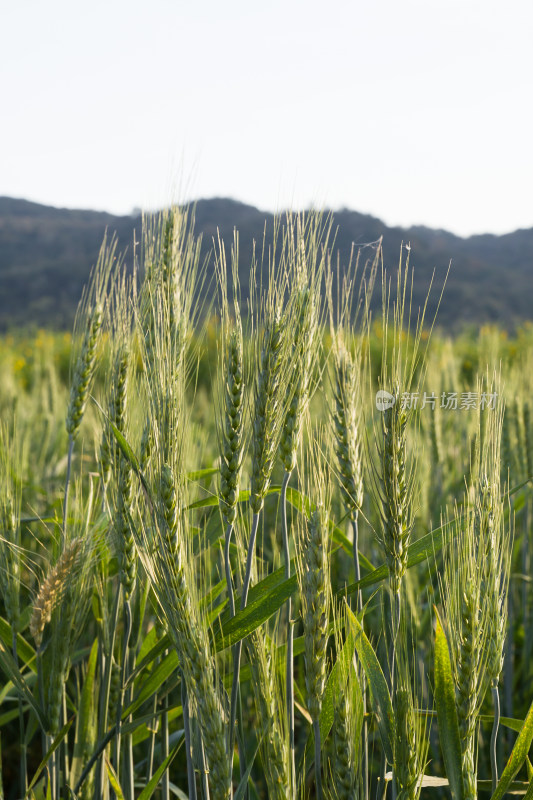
[
  {"x": 495, "y": 546},
  {"x": 348, "y": 721},
  {"x": 109, "y": 450},
  {"x": 466, "y": 618},
  {"x": 165, "y": 563},
  {"x": 275, "y": 750},
  {"x": 346, "y": 420},
  {"x": 52, "y": 589},
  {"x": 266, "y": 431},
  {"x": 305, "y": 351},
  {"x": 79, "y": 393},
  {"x": 233, "y": 441},
  {"x": 231, "y": 465}
]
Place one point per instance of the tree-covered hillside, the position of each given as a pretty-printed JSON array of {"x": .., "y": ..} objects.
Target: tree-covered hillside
[{"x": 46, "y": 255}]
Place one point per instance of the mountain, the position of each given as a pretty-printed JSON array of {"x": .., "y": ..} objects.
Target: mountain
[{"x": 46, "y": 255}]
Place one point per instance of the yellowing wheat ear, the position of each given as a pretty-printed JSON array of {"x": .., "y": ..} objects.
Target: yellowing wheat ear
[{"x": 52, "y": 589}]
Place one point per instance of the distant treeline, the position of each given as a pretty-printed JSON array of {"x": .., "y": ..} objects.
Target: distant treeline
[{"x": 46, "y": 255}]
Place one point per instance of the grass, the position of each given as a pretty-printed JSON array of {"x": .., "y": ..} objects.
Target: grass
[{"x": 214, "y": 579}]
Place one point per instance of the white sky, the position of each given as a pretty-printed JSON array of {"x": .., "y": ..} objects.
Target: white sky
[{"x": 416, "y": 111}]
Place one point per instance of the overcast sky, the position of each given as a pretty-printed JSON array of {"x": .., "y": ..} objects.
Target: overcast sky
[{"x": 415, "y": 111}]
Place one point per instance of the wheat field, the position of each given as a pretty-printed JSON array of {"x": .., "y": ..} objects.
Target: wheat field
[{"x": 275, "y": 546}]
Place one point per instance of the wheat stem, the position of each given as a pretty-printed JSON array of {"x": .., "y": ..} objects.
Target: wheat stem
[
  {"x": 55, "y": 777},
  {"x": 165, "y": 788},
  {"x": 67, "y": 484},
  {"x": 494, "y": 737},
  {"x": 151, "y": 741},
  {"x": 318, "y": 764},
  {"x": 249, "y": 561},
  {"x": 106, "y": 688},
  {"x": 63, "y": 751},
  {"x": 359, "y": 606},
  {"x": 395, "y": 625},
  {"x": 130, "y": 764},
  {"x": 40, "y": 683},
  {"x": 187, "y": 730},
  {"x": 289, "y": 674},
  {"x": 204, "y": 773},
  {"x": 231, "y": 599},
  {"x": 123, "y": 670},
  {"x": 237, "y": 650},
  {"x": 357, "y": 566},
  {"x": 227, "y": 567},
  {"x": 23, "y": 748}
]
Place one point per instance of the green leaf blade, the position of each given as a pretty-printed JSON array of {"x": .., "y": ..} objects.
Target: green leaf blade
[
  {"x": 255, "y": 613},
  {"x": 151, "y": 786},
  {"x": 449, "y": 737},
  {"x": 518, "y": 756},
  {"x": 379, "y": 691}
]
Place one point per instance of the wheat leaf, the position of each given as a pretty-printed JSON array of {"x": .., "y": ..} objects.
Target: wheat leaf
[
  {"x": 151, "y": 786},
  {"x": 381, "y": 700},
  {"x": 517, "y": 757},
  {"x": 450, "y": 741}
]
